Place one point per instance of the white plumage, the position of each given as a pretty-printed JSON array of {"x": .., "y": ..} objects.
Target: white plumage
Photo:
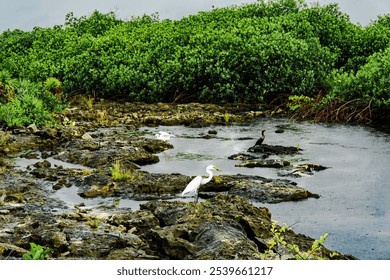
[
  {"x": 195, "y": 184},
  {"x": 162, "y": 135}
]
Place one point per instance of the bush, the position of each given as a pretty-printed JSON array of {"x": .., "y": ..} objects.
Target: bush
[
  {"x": 23, "y": 110},
  {"x": 263, "y": 51},
  {"x": 370, "y": 83},
  {"x": 30, "y": 103}
]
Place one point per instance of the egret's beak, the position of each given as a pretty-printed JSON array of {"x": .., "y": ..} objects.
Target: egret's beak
[{"x": 216, "y": 168}]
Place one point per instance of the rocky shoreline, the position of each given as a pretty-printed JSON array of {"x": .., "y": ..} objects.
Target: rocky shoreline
[{"x": 82, "y": 151}]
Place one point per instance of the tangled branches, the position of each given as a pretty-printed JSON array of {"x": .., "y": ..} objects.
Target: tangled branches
[{"x": 356, "y": 111}]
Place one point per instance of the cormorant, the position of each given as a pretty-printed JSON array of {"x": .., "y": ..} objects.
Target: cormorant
[{"x": 261, "y": 139}]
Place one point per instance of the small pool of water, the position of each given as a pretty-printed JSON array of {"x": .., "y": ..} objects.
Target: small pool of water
[{"x": 354, "y": 207}]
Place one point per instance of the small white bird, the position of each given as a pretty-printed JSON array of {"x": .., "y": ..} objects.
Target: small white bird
[
  {"x": 195, "y": 184},
  {"x": 162, "y": 135}
]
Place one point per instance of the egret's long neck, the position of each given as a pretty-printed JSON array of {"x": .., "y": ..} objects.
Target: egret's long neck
[{"x": 208, "y": 179}]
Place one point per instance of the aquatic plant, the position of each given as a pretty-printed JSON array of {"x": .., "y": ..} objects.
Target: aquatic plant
[{"x": 119, "y": 174}]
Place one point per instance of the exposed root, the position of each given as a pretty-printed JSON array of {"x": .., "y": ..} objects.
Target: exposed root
[{"x": 356, "y": 111}]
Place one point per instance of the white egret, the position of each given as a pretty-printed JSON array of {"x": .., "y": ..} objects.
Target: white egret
[
  {"x": 195, "y": 184},
  {"x": 162, "y": 135},
  {"x": 261, "y": 139}
]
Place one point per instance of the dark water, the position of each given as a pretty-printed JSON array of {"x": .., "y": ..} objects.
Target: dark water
[{"x": 354, "y": 207}]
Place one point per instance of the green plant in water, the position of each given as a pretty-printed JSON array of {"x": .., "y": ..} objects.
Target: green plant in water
[
  {"x": 118, "y": 174},
  {"x": 37, "y": 252}
]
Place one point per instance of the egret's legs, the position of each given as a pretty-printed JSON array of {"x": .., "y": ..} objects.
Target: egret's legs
[{"x": 196, "y": 196}]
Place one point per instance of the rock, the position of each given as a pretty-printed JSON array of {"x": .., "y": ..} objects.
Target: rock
[
  {"x": 226, "y": 227},
  {"x": 32, "y": 128},
  {"x": 301, "y": 170},
  {"x": 225, "y": 240},
  {"x": 86, "y": 136},
  {"x": 130, "y": 253},
  {"x": 243, "y": 156},
  {"x": 270, "y": 192},
  {"x": 43, "y": 164},
  {"x": 275, "y": 163},
  {"x": 48, "y": 133},
  {"x": 274, "y": 150},
  {"x": 258, "y": 188},
  {"x": 206, "y": 231}
]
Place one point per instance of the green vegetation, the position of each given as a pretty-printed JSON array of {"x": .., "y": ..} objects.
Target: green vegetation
[
  {"x": 94, "y": 223},
  {"x": 37, "y": 252},
  {"x": 277, "y": 246},
  {"x": 261, "y": 52},
  {"x": 23, "y": 102},
  {"x": 120, "y": 174}
]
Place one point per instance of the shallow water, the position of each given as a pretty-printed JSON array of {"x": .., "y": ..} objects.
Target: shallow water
[{"x": 354, "y": 205}]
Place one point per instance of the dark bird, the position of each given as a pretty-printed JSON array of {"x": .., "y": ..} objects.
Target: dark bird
[{"x": 261, "y": 139}]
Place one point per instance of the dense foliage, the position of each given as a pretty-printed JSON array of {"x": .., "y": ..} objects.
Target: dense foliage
[{"x": 261, "y": 52}]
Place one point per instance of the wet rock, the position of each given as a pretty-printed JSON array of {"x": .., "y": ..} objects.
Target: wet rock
[
  {"x": 208, "y": 136},
  {"x": 226, "y": 227},
  {"x": 157, "y": 184},
  {"x": 94, "y": 245},
  {"x": 40, "y": 173},
  {"x": 48, "y": 133},
  {"x": 275, "y": 163},
  {"x": 140, "y": 221},
  {"x": 43, "y": 164},
  {"x": 264, "y": 151},
  {"x": 243, "y": 156},
  {"x": 212, "y": 230},
  {"x": 311, "y": 167},
  {"x": 60, "y": 184},
  {"x": 268, "y": 150},
  {"x": 102, "y": 191},
  {"x": 270, "y": 192},
  {"x": 301, "y": 170},
  {"x": 258, "y": 188},
  {"x": 226, "y": 240}
]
